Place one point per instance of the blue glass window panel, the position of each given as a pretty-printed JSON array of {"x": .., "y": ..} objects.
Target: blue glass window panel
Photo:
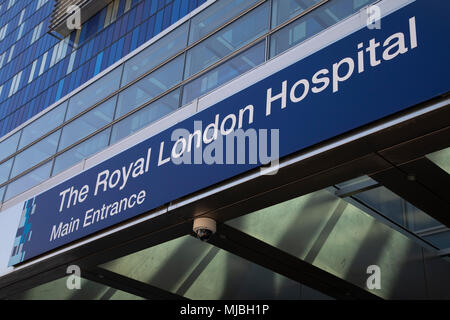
[
  {"x": 102, "y": 39},
  {"x": 158, "y": 22},
  {"x": 154, "y": 6},
  {"x": 225, "y": 72},
  {"x": 65, "y": 88},
  {"x": 87, "y": 123},
  {"x": 105, "y": 62},
  {"x": 131, "y": 20},
  {"x": 83, "y": 33},
  {"x": 78, "y": 78},
  {"x": 160, "y": 4},
  {"x": 192, "y": 4},
  {"x": 143, "y": 32},
  {"x": 112, "y": 53},
  {"x": 138, "y": 120},
  {"x": 156, "y": 53},
  {"x": 166, "y": 18},
  {"x": 90, "y": 48},
  {"x": 175, "y": 11},
  {"x": 139, "y": 12},
  {"x": 96, "y": 42},
  {"x": 2, "y": 192},
  {"x": 119, "y": 49},
  {"x": 121, "y": 8},
  {"x": 81, "y": 151},
  {"x": 98, "y": 63},
  {"x": 116, "y": 30},
  {"x": 84, "y": 50},
  {"x": 35, "y": 154},
  {"x": 91, "y": 68},
  {"x": 309, "y": 25},
  {"x": 283, "y": 10},
  {"x": 216, "y": 15},
  {"x": 228, "y": 40},
  {"x": 134, "y": 39},
  {"x": 9, "y": 145},
  {"x": 28, "y": 181},
  {"x": 95, "y": 92},
  {"x": 151, "y": 86},
  {"x": 124, "y": 25},
  {"x": 60, "y": 87},
  {"x": 149, "y": 25},
  {"x": 44, "y": 124},
  {"x": 184, "y": 8},
  {"x": 127, "y": 43},
  {"x": 5, "y": 168}
]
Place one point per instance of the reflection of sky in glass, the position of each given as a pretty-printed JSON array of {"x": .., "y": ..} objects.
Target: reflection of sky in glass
[
  {"x": 223, "y": 73},
  {"x": 9, "y": 145}
]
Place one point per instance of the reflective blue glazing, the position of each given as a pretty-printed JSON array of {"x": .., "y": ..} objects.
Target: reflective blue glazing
[
  {"x": 225, "y": 72},
  {"x": 87, "y": 123},
  {"x": 51, "y": 68},
  {"x": 218, "y": 14},
  {"x": 151, "y": 86},
  {"x": 138, "y": 120},
  {"x": 229, "y": 39},
  {"x": 283, "y": 10},
  {"x": 149, "y": 58},
  {"x": 43, "y": 125},
  {"x": 9, "y": 145},
  {"x": 93, "y": 93},
  {"x": 5, "y": 168},
  {"x": 35, "y": 154},
  {"x": 317, "y": 20},
  {"x": 81, "y": 151},
  {"x": 28, "y": 181}
]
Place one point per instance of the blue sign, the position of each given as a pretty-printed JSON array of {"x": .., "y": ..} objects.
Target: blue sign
[{"x": 362, "y": 78}]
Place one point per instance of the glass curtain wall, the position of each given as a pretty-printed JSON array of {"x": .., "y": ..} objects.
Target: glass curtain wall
[{"x": 218, "y": 44}]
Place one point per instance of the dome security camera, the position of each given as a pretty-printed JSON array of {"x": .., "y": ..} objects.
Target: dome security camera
[{"x": 204, "y": 228}]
